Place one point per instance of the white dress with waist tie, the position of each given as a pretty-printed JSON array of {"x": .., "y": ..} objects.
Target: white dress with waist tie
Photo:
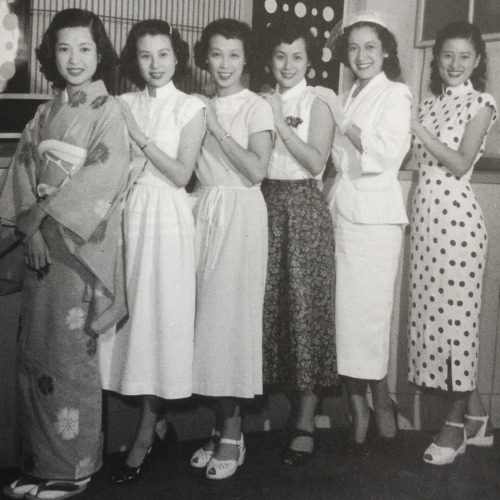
[{"x": 369, "y": 214}]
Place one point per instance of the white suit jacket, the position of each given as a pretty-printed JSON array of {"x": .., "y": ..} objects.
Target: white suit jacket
[{"x": 366, "y": 188}]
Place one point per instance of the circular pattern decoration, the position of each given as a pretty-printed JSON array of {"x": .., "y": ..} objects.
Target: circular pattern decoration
[
  {"x": 271, "y": 6},
  {"x": 314, "y": 12},
  {"x": 328, "y": 14},
  {"x": 327, "y": 55},
  {"x": 7, "y": 70},
  {"x": 326, "y": 34},
  {"x": 285, "y": 7},
  {"x": 311, "y": 74},
  {"x": 313, "y": 31},
  {"x": 10, "y": 22},
  {"x": 324, "y": 74},
  {"x": 300, "y": 9}
]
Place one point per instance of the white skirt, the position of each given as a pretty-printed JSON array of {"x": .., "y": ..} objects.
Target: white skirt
[
  {"x": 367, "y": 257},
  {"x": 153, "y": 352}
]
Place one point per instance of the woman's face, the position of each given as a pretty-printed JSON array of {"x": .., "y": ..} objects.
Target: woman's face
[
  {"x": 457, "y": 61},
  {"x": 156, "y": 60},
  {"x": 76, "y": 56},
  {"x": 365, "y": 53},
  {"x": 226, "y": 60},
  {"x": 289, "y": 63}
]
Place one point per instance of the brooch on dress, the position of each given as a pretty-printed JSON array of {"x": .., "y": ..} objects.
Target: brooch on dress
[{"x": 293, "y": 121}]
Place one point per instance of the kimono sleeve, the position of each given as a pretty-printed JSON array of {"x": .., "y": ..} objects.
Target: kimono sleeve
[
  {"x": 83, "y": 203},
  {"x": 383, "y": 143}
]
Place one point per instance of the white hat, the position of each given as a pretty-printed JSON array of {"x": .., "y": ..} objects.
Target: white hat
[{"x": 367, "y": 16}]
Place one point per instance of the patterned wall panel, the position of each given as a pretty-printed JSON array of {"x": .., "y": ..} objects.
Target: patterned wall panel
[{"x": 321, "y": 16}]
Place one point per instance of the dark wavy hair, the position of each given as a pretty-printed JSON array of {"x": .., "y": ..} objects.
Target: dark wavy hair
[
  {"x": 128, "y": 57},
  {"x": 466, "y": 31},
  {"x": 230, "y": 29},
  {"x": 390, "y": 66},
  {"x": 75, "y": 18},
  {"x": 287, "y": 30}
]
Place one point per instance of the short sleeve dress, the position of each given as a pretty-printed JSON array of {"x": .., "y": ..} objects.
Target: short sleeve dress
[
  {"x": 448, "y": 251},
  {"x": 231, "y": 254},
  {"x": 152, "y": 353}
]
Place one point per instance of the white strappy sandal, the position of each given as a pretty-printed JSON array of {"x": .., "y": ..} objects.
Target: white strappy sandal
[
  {"x": 201, "y": 457},
  {"x": 480, "y": 439},
  {"x": 221, "y": 469},
  {"x": 443, "y": 455}
]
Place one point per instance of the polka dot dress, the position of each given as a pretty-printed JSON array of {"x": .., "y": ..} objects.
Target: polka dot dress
[{"x": 448, "y": 252}]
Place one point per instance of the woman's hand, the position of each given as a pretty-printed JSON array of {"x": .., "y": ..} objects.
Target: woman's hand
[
  {"x": 274, "y": 99},
  {"x": 213, "y": 124},
  {"x": 134, "y": 131},
  {"x": 36, "y": 252},
  {"x": 336, "y": 108},
  {"x": 29, "y": 220}
]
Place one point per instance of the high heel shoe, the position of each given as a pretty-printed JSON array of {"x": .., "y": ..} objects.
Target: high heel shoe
[
  {"x": 480, "y": 439},
  {"x": 222, "y": 469},
  {"x": 201, "y": 457},
  {"x": 386, "y": 445},
  {"x": 443, "y": 455},
  {"x": 297, "y": 457},
  {"x": 124, "y": 474}
]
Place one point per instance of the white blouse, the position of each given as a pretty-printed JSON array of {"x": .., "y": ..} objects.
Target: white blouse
[{"x": 297, "y": 104}]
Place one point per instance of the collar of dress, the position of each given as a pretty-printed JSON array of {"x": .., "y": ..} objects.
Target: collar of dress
[
  {"x": 462, "y": 89},
  {"x": 294, "y": 92},
  {"x": 161, "y": 92}
]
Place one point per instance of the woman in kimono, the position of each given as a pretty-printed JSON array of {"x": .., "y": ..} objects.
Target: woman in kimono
[
  {"x": 371, "y": 139},
  {"x": 446, "y": 275},
  {"x": 299, "y": 340},
  {"x": 64, "y": 190},
  {"x": 231, "y": 243},
  {"x": 152, "y": 353}
]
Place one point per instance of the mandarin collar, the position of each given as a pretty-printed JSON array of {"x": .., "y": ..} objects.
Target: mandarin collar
[
  {"x": 459, "y": 90},
  {"x": 161, "y": 92},
  {"x": 231, "y": 98},
  {"x": 294, "y": 92}
]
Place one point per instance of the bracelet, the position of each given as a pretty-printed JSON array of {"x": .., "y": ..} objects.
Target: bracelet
[
  {"x": 146, "y": 144},
  {"x": 289, "y": 137},
  {"x": 224, "y": 137}
]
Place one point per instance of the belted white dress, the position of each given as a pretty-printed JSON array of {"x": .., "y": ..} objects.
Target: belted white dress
[{"x": 231, "y": 258}]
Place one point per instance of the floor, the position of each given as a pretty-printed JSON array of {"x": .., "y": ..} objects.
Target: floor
[{"x": 328, "y": 475}]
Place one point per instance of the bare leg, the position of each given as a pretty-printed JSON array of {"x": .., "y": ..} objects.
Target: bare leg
[
  {"x": 356, "y": 389},
  {"x": 305, "y": 410},
  {"x": 227, "y": 411},
  {"x": 448, "y": 436},
  {"x": 145, "y": 431},
  {"x": 383, "y": 407},
  {"x": 476, "y": 408}
]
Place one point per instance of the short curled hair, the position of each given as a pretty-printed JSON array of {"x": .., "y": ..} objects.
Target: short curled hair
[
  {"x": 76, "y": 18},
  {"x": 390, "y": 66},
  {"x": 466, "y": 31},
  {"x": 287, "y": 30},
  {"x": 128, "y": 57},
  {"x": 230, "y": 29}
]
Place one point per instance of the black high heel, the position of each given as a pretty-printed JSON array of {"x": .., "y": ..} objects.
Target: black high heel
[
  {"x": 297, "y": 457},
  {"x": 354, "y": 449},
  {"x": 386, "y": 445},
  {"x": 124, "y": 474}
]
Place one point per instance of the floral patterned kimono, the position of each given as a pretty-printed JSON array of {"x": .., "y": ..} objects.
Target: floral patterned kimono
[{"x": 72, "y": 159}]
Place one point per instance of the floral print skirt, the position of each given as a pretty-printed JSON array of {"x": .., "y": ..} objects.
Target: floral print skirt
[
  {"x": 299, "y": 338},
  {"x": 59, "y": 389}
]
